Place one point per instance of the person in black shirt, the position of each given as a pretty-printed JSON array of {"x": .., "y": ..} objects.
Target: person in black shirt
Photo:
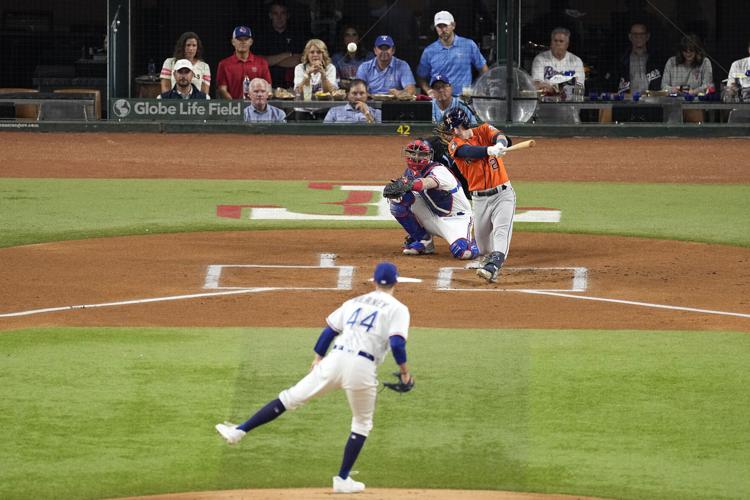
[{"x": 281, "y": 45}]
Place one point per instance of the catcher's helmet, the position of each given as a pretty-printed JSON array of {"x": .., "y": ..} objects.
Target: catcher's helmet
[
  {"x": 456, "y": 117},
  {"x": 418, "y": 154}
]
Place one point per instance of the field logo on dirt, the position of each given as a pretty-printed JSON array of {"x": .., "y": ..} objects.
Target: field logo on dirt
[{"x": 356, "y": 206}]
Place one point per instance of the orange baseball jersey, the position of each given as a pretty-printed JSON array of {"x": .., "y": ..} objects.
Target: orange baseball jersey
[{"x": 482, "y": 173}]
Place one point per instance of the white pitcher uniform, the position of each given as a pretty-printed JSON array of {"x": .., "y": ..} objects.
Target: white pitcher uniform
[
  {"x": 365, "y": 325},
  {"x": 445, "y": 210}
]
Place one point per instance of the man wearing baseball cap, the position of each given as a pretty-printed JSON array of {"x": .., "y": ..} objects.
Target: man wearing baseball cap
[
  {"x": 243, "y": 63},
  {"x": 443, "y": 100},
  {"x": 450, "y": 55},
  {"x": 357, "y": 338},
  {"x": 183, "y": 87},
  {"x": 386, "y": 74}
]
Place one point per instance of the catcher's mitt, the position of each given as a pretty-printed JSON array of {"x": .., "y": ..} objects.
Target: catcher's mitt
[
  {"x": 400, "y": 386},
  {"x": 397, "y": 188}
]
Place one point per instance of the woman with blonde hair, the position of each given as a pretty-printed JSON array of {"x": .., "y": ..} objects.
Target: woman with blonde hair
[
  {"x": 315, "y": 69},
  {"x": 188, "y": 47}
]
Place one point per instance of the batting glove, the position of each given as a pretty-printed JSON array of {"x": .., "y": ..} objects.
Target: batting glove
[{"x": 496, "y": 150}]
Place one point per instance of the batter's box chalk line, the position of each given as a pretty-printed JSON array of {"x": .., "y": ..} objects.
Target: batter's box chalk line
[{"x": 577, "y": 275}]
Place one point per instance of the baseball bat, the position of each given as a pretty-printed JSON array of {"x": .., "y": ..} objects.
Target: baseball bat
[{"x": 522, "y": 145}]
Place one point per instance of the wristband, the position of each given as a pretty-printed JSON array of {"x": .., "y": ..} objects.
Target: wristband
[{"x": 418, "y": 185}]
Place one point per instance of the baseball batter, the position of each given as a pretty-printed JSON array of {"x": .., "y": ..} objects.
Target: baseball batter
[
  {"x": 429, "y": 201},
  {"x": 362, "y": 331},
  {"x": 476, "y": 151}
]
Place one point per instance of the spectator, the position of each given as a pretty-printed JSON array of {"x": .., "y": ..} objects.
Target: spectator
[
  {"x": 738, "y": 80},
  {"x": 639, "y": 70},
  {"x": 259, "y": 110},
  {"x": 387, "y": 74},
  {"x": 190, "y": 47},
  {"x": 243, "y": 63},
  {"x": 184, "y": 88},
  {"x": 557, "y": 65},
  {"x": 357, "y": 109},
  {"x": 347, "y": 62},
  {"x": 281, "y": 46},
  {"x": 450, "y": 55},
  {"x": 444, "y": 100},
  {"x": 689, "y": 70},
  {"x": 315, "y": 69}
]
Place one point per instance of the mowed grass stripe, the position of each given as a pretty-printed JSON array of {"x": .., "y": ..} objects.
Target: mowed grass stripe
[
  {"x": 40, "y": 210},
  {"x": 627, "y": 414}
]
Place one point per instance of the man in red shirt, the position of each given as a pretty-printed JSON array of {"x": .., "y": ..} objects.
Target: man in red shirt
[{"x": 233, "y": 69}]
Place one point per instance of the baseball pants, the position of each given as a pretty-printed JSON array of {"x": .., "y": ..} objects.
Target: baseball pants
[
  {"x": 450, "y": 228},
  {"x": 493, "y": 221},
  {"x": 346, "y": 370}
]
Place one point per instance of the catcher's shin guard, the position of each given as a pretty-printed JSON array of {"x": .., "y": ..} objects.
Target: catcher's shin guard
[{"x": 401, "y": 211}]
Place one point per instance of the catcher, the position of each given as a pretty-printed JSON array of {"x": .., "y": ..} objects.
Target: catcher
[{"x": 428, "y": 200}]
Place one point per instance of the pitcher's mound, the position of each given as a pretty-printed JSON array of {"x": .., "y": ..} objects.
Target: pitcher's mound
[{"x": 369, "y": 494}]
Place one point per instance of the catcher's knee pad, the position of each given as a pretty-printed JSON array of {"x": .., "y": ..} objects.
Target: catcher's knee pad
[
  {"x": 404, "y": 216},
  {"x": 402, "y": 208},
  {"x": 464, "y": 249}
]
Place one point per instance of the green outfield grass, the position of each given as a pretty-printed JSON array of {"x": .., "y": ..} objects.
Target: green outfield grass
[
  {"x": 92, "y": 413},
  {"x": 40, "y": 210}
]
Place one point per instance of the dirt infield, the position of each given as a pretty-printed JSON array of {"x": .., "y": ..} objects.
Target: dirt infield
[
  {"x": 551, "y": 280},
  {"x": 369, "y": 494}
]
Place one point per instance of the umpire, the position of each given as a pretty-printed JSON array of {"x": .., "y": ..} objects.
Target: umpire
[{"x": 439, "y": 143}]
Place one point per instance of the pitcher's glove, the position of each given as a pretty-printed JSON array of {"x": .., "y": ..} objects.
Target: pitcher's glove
[
  {"x": 400, "y": 386},
  {"x": 397, "y": 188}
]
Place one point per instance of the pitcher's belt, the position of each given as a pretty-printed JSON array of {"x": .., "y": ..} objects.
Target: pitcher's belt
[
  {"x": 490, "y": 192},
  {"x": 360, "y": 353}
]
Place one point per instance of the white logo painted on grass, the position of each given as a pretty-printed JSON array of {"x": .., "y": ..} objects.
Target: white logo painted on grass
[{"x": 384, "y": 212}]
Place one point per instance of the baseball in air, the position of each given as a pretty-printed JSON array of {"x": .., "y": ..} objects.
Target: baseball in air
[{"x": 352, "y": 47}]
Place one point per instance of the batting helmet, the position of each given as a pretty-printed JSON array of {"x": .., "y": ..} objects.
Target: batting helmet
[
  {"x": 418, "y": 154},
  {"x": 456, "y": 117}
]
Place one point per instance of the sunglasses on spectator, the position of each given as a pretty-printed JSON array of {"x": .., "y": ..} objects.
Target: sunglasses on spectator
[{"x": 183, "y": 71}]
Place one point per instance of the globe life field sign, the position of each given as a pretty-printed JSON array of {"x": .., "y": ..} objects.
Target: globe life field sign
[{"x": 176, "y": 109}]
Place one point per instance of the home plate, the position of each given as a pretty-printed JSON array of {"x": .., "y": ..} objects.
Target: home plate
[{"x": 403, "y": 279}]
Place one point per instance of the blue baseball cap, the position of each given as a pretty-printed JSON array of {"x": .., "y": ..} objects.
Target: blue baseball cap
[
  {"x": 439, "y": 78},
  {"x": 384, "y": 40},
  {"x": 385, "y": 274},
  {"x": 242, "y": 32}
]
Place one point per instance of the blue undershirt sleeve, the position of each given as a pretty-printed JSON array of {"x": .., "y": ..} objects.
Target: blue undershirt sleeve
[
  {"x": 466, "y": 151},
  {"x": 324, "y": 341},
  {"x": 398, "y": 348}
]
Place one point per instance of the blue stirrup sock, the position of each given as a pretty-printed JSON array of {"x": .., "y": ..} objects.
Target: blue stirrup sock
[
  {"x": 264, "y": 415},
  {"x": 351, "y": 451}
]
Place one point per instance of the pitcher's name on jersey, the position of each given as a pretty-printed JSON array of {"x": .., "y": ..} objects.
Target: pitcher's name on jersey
[{"x": 380, "y": 304}]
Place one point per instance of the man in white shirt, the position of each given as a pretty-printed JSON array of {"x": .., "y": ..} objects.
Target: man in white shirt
[
  {"x": 738, "y": 78},
  {"x": 557, "y": 66}
]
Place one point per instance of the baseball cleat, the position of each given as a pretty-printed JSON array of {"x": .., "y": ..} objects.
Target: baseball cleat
[
  {"x": 422, "y": 247},
  {"x": 230, "y": 432},
  {"x": 488, "y": 272},
  {"x": 347, "y": 485}
]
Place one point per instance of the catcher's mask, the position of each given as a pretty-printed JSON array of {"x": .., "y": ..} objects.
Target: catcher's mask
[
  {"x": 455, "y": 118},
  {"x": 418, "y": 155}
]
